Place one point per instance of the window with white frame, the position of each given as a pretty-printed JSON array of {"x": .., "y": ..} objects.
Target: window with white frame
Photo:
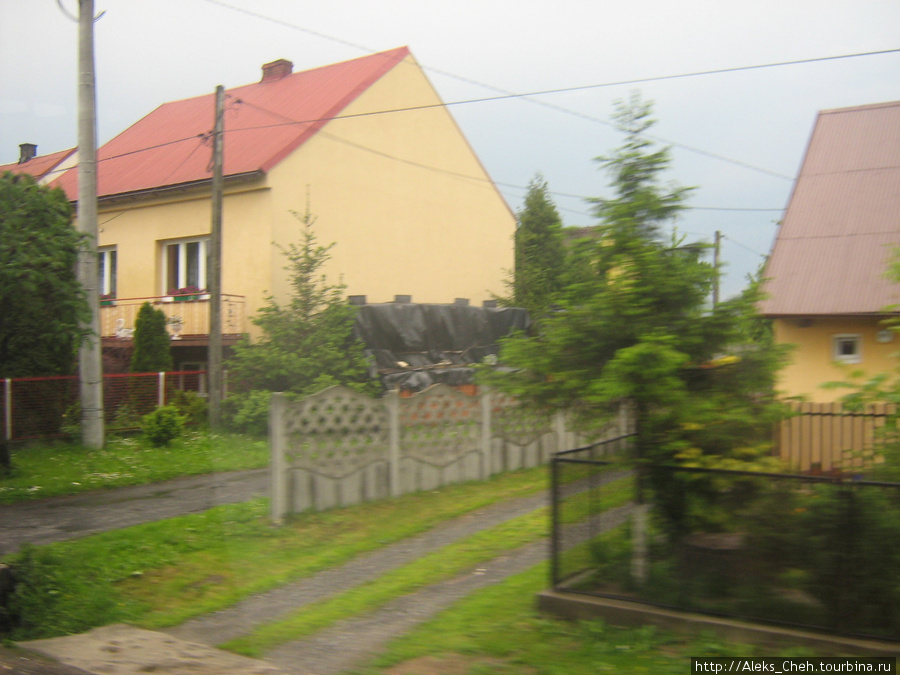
[
  {"x": 107, "y": 269},
  {"x": 846, "y": 348},
  {"x": 184, "y": 264}
]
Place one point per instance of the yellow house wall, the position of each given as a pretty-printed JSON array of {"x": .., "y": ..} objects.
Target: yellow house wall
[
  {"x": 403, "y": 197},
  {"x": 812, "y": 362},
  {"x": 139, "y": 230}
]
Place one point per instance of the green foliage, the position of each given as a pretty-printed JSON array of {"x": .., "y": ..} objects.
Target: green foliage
[
  {"x": 247, "y": 412},
  {"x": 163, "y": 425},
  {"x": 306, "y": 345},
  {"x": 42, "y": 305},
  {"x": 52, "y": 596},
  {"x": 540, "y": 251},
  {"x": 152, "y": 353},
  {"x": 191, "y": 406},
  {"x": 634, "y": 323}
]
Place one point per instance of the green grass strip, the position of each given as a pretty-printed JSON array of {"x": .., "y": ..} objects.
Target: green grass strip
[
  {"x": 56, "y": 468},
  {"x": 165, "y": 572},
  {"x": 439, "y": 565}
]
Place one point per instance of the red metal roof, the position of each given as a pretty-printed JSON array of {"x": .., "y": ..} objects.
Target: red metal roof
[
  {"x": 842, "y": 223},
  {"x": 39, "y": 166},
  {"x": 167, "y": 147}
]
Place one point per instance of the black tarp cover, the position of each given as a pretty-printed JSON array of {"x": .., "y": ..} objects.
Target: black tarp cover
[{"x": 416, "y": 345}]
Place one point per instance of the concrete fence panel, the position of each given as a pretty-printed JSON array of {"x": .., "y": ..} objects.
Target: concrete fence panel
[{"x": 338, "y": 447}]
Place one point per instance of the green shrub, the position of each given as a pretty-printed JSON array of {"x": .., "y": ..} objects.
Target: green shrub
[
  {"x": 192, "y": 406},
  {"x": 248, "y": 412},
  {"x": 54, "y": 595},
  {"x": 163, "y": 425}
]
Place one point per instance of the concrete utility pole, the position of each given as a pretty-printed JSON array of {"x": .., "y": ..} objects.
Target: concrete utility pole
[
  {"x": 215, "y": 272},
  {"x": 90, "y": 359}
]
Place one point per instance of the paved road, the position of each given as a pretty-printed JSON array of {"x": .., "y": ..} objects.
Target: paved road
[{"x": 59, "y": 518}]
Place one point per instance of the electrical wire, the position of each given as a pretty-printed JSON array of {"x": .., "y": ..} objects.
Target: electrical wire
[
  {"x": 288, "y": 121},
  {"x": 529, "y": 96}
]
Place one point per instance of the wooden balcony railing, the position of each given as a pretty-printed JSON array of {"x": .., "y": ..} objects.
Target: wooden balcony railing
[{"x": 186, "y": 315}]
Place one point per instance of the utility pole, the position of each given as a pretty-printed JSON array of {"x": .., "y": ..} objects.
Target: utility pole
[
  {"x": 215, "y": 271},
  {"x": 715, "y": 298},
  {"x": 90, "y": 360}
]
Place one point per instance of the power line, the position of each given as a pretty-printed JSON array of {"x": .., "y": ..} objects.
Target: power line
[
  {"x": 504, "y": 94},
  {"x": 289, "y": 121}
]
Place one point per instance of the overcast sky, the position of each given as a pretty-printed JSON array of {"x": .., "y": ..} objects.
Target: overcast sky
[{"x": 738, "y": 136}]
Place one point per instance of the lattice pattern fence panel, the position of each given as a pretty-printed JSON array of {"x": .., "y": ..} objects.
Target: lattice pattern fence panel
[
  {"x": 337, "y": 447},
  {"x": 521, "y": 437},
  {"x": 440, "y": 439}
]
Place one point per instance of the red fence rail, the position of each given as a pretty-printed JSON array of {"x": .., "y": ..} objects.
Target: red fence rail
[{"x": 47, "y": 407}]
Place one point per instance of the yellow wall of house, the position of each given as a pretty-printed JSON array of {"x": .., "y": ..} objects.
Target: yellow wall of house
[
  {"x": 139, "y": 230},
  {"x": 812, "y": 361},
  {"x": 402, "y": 196}
]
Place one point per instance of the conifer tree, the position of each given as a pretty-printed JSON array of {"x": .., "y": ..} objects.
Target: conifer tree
[
  {"x": 152, "y": 353},
  {"x": 639, "y": 326},
  {"x": 540, "y": 251},
  {"x": 306, "y": 345}
]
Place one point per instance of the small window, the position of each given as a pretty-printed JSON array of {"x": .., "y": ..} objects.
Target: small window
[
  {"x": 847, "y": 349},
  {"x": 107, "y": 269}
]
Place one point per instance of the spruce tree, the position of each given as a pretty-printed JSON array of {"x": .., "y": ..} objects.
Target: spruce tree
[
  {"x": 540, "y": 251},
  {"x": 152, "y": 353},
  {"x": 306, "y": 345},
  {"x": 639, "y": 327}
]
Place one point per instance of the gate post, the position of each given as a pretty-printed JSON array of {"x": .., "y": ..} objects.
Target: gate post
[{"x": 277, "y": 446}]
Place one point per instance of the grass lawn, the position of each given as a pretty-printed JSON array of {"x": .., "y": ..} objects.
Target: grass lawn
[
  {"x": 444, "y": 563},
  {"x": 49, "y": 469},
  {"x": 498, "y": 630},
  {"x": 162, "y": 573}
]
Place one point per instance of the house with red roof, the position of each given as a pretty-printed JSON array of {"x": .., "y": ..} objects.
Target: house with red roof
[
  {"x": 366, "y": 146},
  {"x": 44, "y": 169},
  {"x": 827, "y": 288}
]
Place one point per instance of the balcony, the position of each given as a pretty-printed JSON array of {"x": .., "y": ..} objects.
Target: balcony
[{"x": 187, "y": 317}]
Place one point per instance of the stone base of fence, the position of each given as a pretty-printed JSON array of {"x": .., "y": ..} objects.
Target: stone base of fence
[{"x": 338, "y": 447}]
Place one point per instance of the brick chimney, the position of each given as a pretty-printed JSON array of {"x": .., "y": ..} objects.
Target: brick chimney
[
  {"x": 276, "y": 70},
  {"x": 27, "y": 151}
]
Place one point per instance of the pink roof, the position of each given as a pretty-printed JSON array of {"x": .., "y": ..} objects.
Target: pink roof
[
  {"x": 167, "y": 147},
  {"x": 843, "y": 220},
  {"x": 39, "y": 166}
]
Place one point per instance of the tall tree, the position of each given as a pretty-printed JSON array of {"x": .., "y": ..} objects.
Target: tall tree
[
  {"x": 635, "y": 326},
  {"x": 305, "y": 346},
  {"x": 638, "y": 325},
  {"x": 540, "y": 251},
  {"x": 41, "y": 302}
]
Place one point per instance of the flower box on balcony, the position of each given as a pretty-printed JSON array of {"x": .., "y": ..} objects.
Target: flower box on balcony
[
  {"x": 186, "y": 294},
  {"x": 107, "y": 300}
]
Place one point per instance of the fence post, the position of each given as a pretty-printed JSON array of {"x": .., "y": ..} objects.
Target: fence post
[
  {"x": 278, "y": 472},
  {"x": 7, "y": 408},
  {"x": 559, "y": 419},
  {"x": 392, "y": 398},
  {"x": 486, "y": 432},
  {"x": 160, "y": 389}
]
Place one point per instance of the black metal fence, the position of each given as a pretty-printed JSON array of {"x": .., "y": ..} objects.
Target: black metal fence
[{"x": 811, "y": 552}]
